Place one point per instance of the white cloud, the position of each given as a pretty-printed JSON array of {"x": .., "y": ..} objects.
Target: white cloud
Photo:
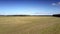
[
  {"x": 54, "y": 4},
  {"x": 59, "y": 3}
]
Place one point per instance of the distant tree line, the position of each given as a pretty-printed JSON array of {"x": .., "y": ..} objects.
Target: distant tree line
[
  {"x": 14, "y": 15},
  {"x": 56, "y": 15}
]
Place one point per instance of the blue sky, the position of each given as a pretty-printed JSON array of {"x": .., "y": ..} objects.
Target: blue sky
[{"x": 29, "y": 7}]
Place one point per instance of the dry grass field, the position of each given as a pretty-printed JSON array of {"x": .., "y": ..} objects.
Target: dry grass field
[{"x": 29, "y": 25}]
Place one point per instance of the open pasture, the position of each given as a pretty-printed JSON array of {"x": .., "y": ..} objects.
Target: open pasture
[{"x": 29, "y": 25}]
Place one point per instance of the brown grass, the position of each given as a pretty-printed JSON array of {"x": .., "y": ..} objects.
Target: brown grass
[{"x": 29, "y": 25}]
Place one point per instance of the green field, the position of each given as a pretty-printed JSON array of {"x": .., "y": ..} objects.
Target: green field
[{"x": 29, "y": 25}]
